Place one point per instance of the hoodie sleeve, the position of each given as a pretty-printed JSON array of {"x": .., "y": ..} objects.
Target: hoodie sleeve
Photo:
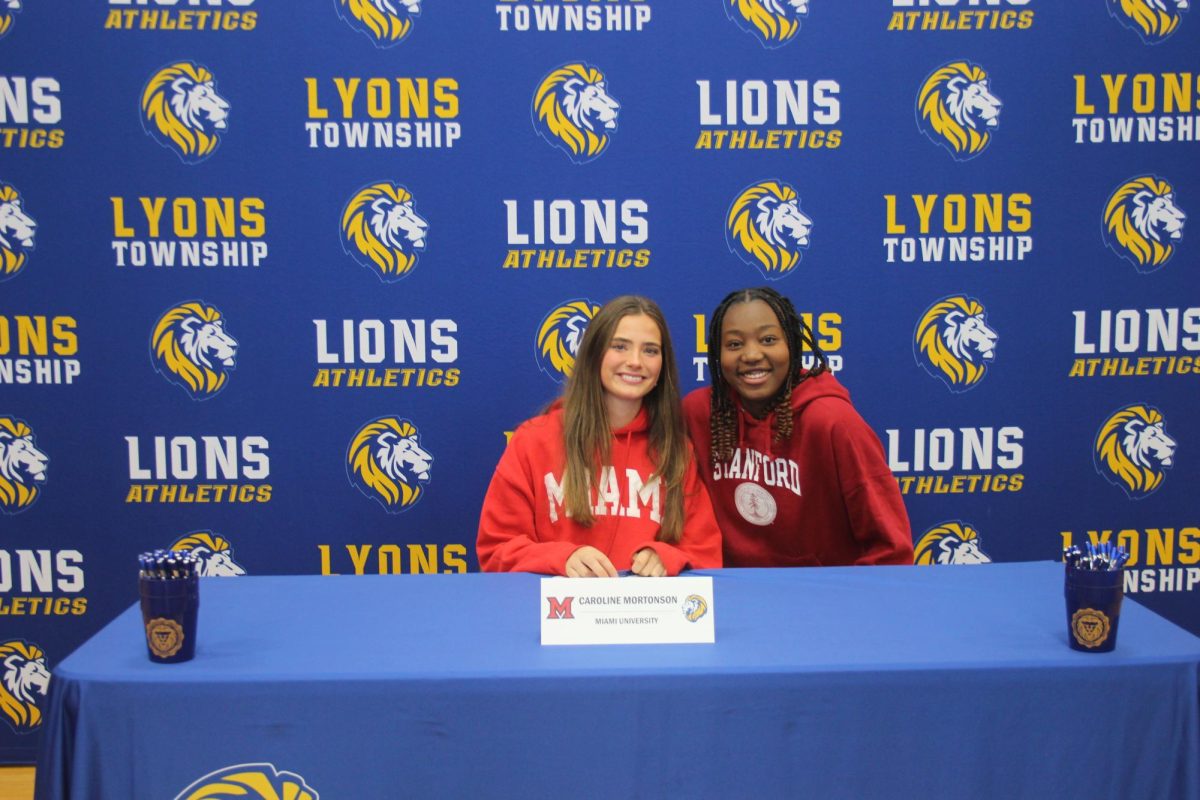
[
  {"x": 700, "y": 545},
  {"x": 507, "y": 540},
  {"x": 874, "y": 507}
]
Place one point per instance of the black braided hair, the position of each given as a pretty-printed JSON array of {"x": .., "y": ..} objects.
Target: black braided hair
[{"x": 722, "y": 419}]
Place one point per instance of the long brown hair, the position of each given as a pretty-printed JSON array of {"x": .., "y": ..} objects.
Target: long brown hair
[{"x": 588, "y": 436}]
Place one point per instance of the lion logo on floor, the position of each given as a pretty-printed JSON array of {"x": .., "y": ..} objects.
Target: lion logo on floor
[
  {"x": 954, "y": 342},
  {"x": 214, "y": 552},
  {"x": 8, "y": 9},
  {"x": 23, "y": 684},
  {"x": 956, "y": 108},
  {"x": 385, "y": 22},
  {"x": 382, "y": 231},
  {"x": 1133, "y": 450},
  {"x": 1142, "y": 221},
  {"x": 250, "y": 782},
  {"x": 573, "y": 111},
  {"x": 773, "y": 22},
  {"x": 766, "y": 228},
  {"x": 1153, "y": 20},
  {"x": 17, "y": 230},
  {"x": 182, "y": 111},
  {"x": 950, "y": 543},
  {"x": 387, "y": 463},
  {"x": 559, "y": 336},
  {"x": 190, "y": 347},
  {"x": 22, "y": 466}
]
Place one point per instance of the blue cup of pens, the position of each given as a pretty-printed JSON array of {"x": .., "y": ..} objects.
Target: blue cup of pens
[
  {"x": 1094, "y": 587},
  {"x": 169, "y": 584}
]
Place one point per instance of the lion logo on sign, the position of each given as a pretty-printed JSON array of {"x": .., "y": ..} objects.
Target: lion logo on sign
[
  {"x": 386, "y": 462},
  {"x": 950, "y": 543},
  {"x": 250, "y": 782},
  {"x": 190, "y": 347},
  {"x": 559, "y": 336},
  {"x": 22, "y": 466},
  {"x": 694, "y": 607},
  {"x": 215, "y": 554},
  {"x": 956, "y": 107},
  {"x": 1133, "y": 450},
  {"x": 182, "y": 111},
  {"x": 23, "y": 684},
  {"x": 953, "y": 342},
  {"x": 8, "y": 8},
  {"x": 572, "y": 110},
  {"x": 381, "y": 231},
  {"x": 17, "y": 230},
  {"x": 1141, "y": 221},
  {"x": 1153, "y": 20},
  {"x": 385, "y": 22},
  {"x": 766, "y": 228},
  {"x": 773, "y": 22}
]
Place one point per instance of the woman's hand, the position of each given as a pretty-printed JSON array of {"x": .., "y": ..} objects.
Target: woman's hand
[
  {"x": 588, "y": 562},
  {"x": 647, "y": 564}
]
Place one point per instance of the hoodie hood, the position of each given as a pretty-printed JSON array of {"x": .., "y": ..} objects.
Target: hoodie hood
[{"x": 758, "y": 433}]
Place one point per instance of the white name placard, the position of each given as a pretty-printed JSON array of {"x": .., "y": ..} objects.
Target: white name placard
[{"x": 628, "y": 610}]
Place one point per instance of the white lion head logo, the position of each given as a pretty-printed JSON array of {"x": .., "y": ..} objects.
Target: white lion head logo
[
  {"x": 7, "y": 9},
  {"x": 190, "y": 347},
  {"x": 955, "y": 107},
  {"x": 773, "y": 22},
  {"x": 559, "y": 336},
  {"x": 1141, "y": 220},
  {"x": 22, "y": 466},
  {"x": 183, "y": 112},
  {"x": 694, "y": 607},
  {"x": 1133, "y": 450},
  {"x": 17, "y": 230},
  {"x": 573, "y": 111},
  {"x": 386, "y": 462},
  {"x": 382, "y": 231},
  {"x": 260, "y": 781},
  {"x": 384, "y": 22},
  {"x": 953, "y": 341},
  {"x": 23, "y": 684},
  {"x": 213, "y": 551},
  {"x": 766, "y": 228},
  {"x": 950, "y": 543},
  {"x": 1153, "y": 20}
]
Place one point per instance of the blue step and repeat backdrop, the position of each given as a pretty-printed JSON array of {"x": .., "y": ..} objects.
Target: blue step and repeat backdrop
[{"x": 278, "y": 278}]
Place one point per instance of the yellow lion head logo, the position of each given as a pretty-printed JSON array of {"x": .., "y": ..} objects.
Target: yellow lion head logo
[
  {"x": 559, "y": 337},
  {"x": 950, "y": 543},
  {"x": 1141, "y": 220},
  {"x": 23, "y": 684},
  {"x": 387, "y": 463},
  {"x": 214, "y": 552},
  {"x": 182, "y": 111},
  {"x": 7, "y": 9},
  {"x": 694, "y": 607},
  {"x": 573, "y": 111},
  {"x": 1133, "y": 450},
  {"x": 189, "y": 347},
  {"x": 384, "y": 22},
  {"x": 953, "y": 341},
  {"x": 17, "y": 230},
  {"x": 955, "y": 107},
  {"x": 381, "y": 231},
  {"x": 1153, "y": 20},
  {"x": 773, "y": 22},
  {"x": 249, "y": 782},
  {"x": 766, "y": 228},
  {"x": 22, "y": 466}
]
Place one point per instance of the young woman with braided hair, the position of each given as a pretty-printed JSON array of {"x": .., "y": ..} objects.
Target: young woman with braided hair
[
  {"x": 605, "y": 479},
  {"x": 796, "y": 476}
]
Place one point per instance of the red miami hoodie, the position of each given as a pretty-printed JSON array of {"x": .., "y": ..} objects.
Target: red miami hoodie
[
  {"x": 524, "y": 526},
  {"x": 823, "y": 497}
]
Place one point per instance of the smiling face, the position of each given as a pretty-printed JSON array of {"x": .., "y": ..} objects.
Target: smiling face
[
  {"x": 754, "y": 354},
  {"x": 631, "y": 366}
]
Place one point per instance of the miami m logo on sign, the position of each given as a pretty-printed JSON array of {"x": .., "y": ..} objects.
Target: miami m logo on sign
[{"x": 560, "y": 609}]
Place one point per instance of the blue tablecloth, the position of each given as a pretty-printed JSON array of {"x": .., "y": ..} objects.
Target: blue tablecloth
[{"x": 836, "y": 682}]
